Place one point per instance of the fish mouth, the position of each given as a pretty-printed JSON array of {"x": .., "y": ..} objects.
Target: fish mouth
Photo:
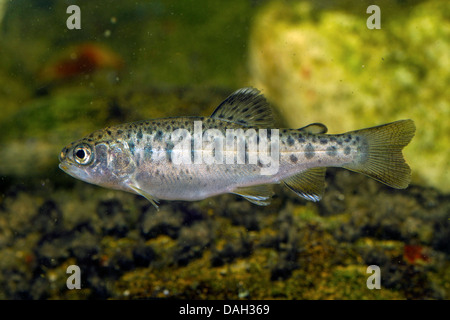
[{"x": 74, "y": 171}]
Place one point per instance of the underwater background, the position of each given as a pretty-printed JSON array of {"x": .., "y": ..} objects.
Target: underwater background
[{"x": 315, "y": 61}]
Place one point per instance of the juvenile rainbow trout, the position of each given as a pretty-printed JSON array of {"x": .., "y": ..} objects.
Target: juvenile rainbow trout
[{"x": 235, "y": 150}]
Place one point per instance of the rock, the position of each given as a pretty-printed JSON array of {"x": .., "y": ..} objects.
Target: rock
[{"x": 320, "y": 63}]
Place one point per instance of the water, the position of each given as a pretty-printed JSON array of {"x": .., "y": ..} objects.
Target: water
[{"x": 151, "y": 59}]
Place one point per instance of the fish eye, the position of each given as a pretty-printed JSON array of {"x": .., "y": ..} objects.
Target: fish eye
[{"x": 82, "y": 154}]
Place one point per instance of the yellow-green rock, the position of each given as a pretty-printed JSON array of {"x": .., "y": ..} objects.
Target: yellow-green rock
[{"x": 322, "y": 64}]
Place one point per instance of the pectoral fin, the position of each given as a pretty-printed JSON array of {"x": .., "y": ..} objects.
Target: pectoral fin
[
  {"x": 308, "y": 184},
  {"x": 259, "y": 195},
  {"x": 153, "y": 200}
]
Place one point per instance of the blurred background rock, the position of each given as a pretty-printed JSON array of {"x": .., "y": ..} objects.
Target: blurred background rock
[{"x": 318, "y": 62}]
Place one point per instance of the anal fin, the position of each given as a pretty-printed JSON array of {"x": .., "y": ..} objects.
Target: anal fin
[
  {"x": 259, "y": 194},
  {"x": 308, "y": 184},
  {"x": 153, "y": 200}
]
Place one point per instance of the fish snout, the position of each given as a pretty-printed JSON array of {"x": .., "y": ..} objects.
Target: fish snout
[
  {"x": 63, "y": 167},
  {"x": 62, "y": 155}
]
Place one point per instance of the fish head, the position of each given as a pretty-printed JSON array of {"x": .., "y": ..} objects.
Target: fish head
[{"x": 104, "y": 163}]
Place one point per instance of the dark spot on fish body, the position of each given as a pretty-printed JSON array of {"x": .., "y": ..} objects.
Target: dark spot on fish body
[
  {"x": 138, "y": 160},
  {"x": 99, "y": 136},
  {"x": 132, "y": 146},
  {"x": 314, "y": 139},
  {"x": 309, "y": 151},
  {"x": 290, "y": 141},
  {"x": 148, "y": 151},
  {"x": 139, "y": 134},
  {"x": 301, "y": 139},
  {"x": 347, "y": 150},
  {"x": 169, "y": 148},
  {"x": 333, "y": 139},
  {"x": 119, "y": 132},
  {"x": 331, "y": 151},
  {"x": 323, "y": 140},
  {"x": 159, "y": 135},
  {"x": 364, "y": 147},
  {"x": 108, "y": 132},
  {"x": 293, "y": 158}
]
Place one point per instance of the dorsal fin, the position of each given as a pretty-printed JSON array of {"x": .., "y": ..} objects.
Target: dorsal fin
[
  {"x": 308, "y": 184},
  {"x": 314, "y": 128},
  {"x": 259, "y": 194},
  {"x": 246, "y": 106}
]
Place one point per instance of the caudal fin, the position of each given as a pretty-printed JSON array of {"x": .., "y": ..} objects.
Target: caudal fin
[{"x": 383, "y": 159}]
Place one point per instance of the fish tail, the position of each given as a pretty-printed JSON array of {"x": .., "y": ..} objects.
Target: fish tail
[{"x": 381, "y": 155}]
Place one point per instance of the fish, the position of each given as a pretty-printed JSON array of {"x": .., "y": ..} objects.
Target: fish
[{"x": 236, "y": 150}]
